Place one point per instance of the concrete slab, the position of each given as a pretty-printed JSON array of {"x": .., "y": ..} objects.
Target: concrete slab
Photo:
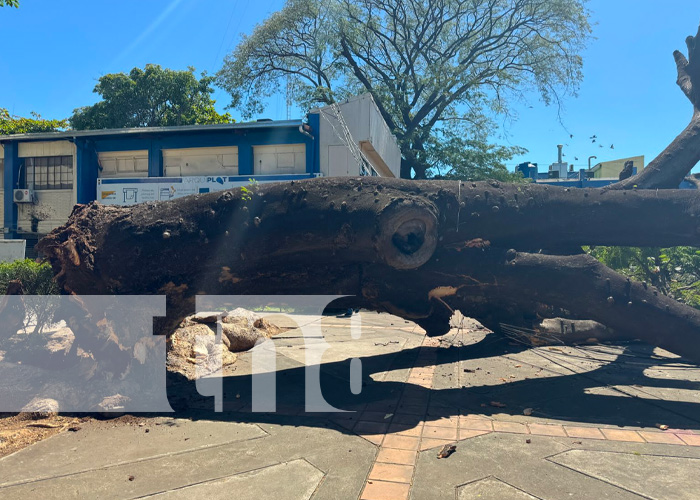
[
  {"x": 657, "y": 477},
  {"x": 295, "y": 480},
  {"x": 512, "y": 460},
  {"x": 491, "y": 488},
  {"x": 101, "y": 444},
  {"x": 344, "y": 460}
]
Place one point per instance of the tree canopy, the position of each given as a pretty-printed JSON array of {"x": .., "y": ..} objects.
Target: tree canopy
[
  {"x": 9, "y": 3},
  {"x": 431, "y": 65},
  {"x": 10, "y": 124},
  {"x": 150, "y": 97}
]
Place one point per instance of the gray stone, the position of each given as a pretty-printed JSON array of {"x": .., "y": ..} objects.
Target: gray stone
[
  {"x": 41, "y": 408},
  {"x": 111, "y": 406}
]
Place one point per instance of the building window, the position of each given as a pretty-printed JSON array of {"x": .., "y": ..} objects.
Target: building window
[{"x": 49, "y": 172}]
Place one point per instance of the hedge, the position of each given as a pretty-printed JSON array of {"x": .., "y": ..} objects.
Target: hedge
[{"x": 36, "y": 278}]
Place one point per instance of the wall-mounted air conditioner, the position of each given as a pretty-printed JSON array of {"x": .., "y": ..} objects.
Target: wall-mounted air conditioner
[{"x": 23, "y": 195}]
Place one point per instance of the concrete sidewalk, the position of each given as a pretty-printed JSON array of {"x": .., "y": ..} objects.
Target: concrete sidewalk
[{"x": 547, "y": 423}]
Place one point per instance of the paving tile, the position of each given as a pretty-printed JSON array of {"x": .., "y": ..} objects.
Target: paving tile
[
  {"x": 363, "y": 427},
  {"x": 420, "y": 372},
  {"x": 660, "y": 437},
  {"x": 345, "y": 423},
  {"x": 442, "y": 402},
  {"x": 690, "y": 439},
  {"x": 407, "y": 419},
  {"x": 481, "y": 424},
  {"x": 443, "y": 422},
  {"x": 470, "y": 433},
  {"x": 513, "y": 427},
  {"x": 583, "y": 432},
  {"x": 376, "y": 416},
  {"x": 414, "y": 392},
  {"x": 415, "y": 401},
  {"x": 622, "y": 435},
  {"x": 401, "y": 442},
  {"x": 382, "y": 490},
  {"x": 440, "y": 432},
  {"x": 410, "y": 410},
  {"x": 406, "y": 429},
  {"x": 547, "y": 430},
  {"x": 392, "y": 472},
  {"x": 381, "y": 407},
  {"x": 373, "y": 438},
  {"x": 427, "y": 443},
  {"x": 393, "y": 456},
  {"x": 443, "y": 412}
]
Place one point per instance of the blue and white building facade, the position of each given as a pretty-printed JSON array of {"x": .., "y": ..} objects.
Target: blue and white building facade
[{"x": 44, "y": 175}]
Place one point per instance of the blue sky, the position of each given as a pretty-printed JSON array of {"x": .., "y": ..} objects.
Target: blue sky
[{"x": 53, "y": 53}]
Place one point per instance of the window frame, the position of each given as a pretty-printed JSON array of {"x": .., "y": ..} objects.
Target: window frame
[{"x": 48, "y": 173}]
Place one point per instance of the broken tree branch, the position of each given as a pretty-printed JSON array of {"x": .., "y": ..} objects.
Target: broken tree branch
[{"x": 669, "y": 169}]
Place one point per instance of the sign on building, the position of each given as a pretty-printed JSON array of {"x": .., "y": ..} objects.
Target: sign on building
[{"x": 128, "y": 191}]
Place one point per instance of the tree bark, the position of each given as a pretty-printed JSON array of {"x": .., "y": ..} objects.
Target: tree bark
[
  {"x": 416, "y": 249},
  {"x": 694, "y": 180},
  {"x": 668, "y": 170}
]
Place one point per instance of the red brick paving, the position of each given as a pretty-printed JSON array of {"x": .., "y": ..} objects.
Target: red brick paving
[{"x": 400, "y": 432}]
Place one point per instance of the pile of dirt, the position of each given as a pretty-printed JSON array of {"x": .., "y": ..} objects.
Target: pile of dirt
[
  {"x": 17, "y": 431},
  {"x": 193, "y": 350}
]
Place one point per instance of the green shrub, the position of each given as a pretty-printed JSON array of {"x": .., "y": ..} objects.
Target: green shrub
[{"x": 36, "y": 278}]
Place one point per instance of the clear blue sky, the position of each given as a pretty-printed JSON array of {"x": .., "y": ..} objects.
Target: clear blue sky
[{"x": 53, "y": 52}]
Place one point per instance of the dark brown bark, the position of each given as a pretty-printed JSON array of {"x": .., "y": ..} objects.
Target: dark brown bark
[
  {"x": 361, "y": 220},
  {"x": 400, "y": 246},
  {"x": 416, "y": 249}
]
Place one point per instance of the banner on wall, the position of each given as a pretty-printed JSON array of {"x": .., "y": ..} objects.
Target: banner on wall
[{"x": 129, "y": 191}]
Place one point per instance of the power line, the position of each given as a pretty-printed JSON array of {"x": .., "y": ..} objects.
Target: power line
[{"x": 223, "y": 38}]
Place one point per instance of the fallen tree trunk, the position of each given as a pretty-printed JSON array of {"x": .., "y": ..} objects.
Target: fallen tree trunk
[
  {"x": 417, "y": 249},
  {"x": 397, "y": 245},
  {"x": 219, "y": 237}
]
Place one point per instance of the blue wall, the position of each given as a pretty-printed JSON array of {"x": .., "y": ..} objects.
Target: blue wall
[
  {"x": 87, "y": 149},
  {"x": 245, "y": 140},
  {"x": 11, "y": 175}
]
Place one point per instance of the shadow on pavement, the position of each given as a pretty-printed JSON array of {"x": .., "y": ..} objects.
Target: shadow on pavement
[{"x": 600, "y": 396}]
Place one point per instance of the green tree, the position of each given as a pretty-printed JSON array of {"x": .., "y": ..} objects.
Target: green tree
[
  {"x": 673, "y": 271},
  {"x": 429, "y": 64},
  {"x": 150, "y": 97},
  {"x": 10, "y": 124},
  {"x": 9, "y": 3},
  {"x": 452, "y": 156}
]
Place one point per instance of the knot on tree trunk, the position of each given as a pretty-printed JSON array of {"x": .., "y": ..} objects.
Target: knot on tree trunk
[{"x": 407, "y": 234}]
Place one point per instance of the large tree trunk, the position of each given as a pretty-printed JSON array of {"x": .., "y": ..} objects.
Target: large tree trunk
[{"x": 417, "y": 249}]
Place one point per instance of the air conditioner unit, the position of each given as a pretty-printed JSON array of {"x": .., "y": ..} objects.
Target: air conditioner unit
[{"x": 23, "y": 195}]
